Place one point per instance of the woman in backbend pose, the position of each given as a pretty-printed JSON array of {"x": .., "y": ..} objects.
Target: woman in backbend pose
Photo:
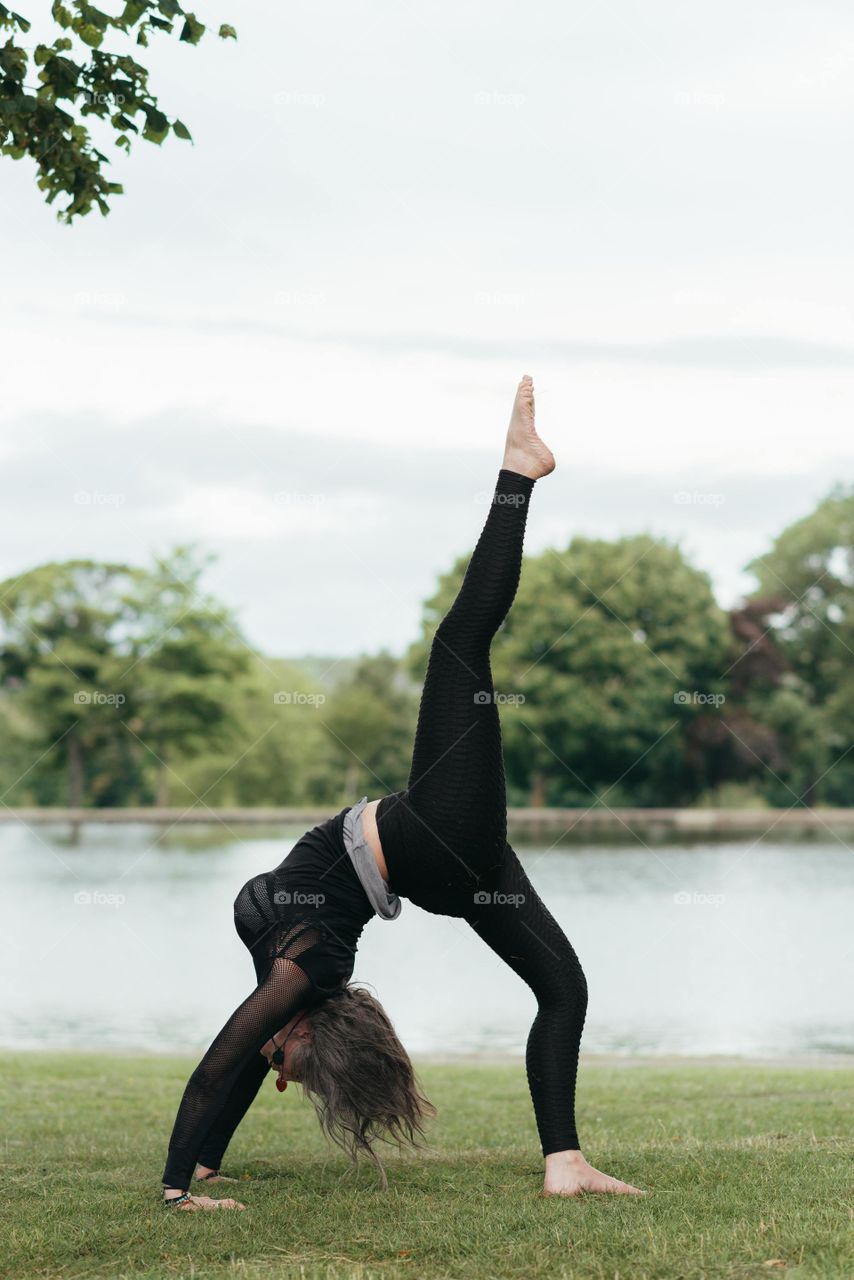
[{"x": 442, "y": 844}]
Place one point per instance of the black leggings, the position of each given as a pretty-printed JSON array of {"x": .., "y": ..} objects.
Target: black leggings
[{"x": 444, "y": 838}]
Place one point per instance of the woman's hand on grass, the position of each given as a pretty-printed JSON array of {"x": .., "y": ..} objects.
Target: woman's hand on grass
[
  {"x": 569, "y": 1174},
  {"x": 198, "y": 1203}
]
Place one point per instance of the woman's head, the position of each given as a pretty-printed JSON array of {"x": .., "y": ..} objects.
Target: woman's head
[{"x": 358, "y": 1075}]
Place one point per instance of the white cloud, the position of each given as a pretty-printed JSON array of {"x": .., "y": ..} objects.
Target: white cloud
[{"x": 337, "y": 290}]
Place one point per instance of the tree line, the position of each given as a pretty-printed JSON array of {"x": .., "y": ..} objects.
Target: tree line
[{"x": 621, "y": 682}]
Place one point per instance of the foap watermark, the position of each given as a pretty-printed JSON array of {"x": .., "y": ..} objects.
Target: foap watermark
[
  {"x": 98, "y": 698},
  {"x": 495, "y": 98},
  {"x": 483, "y": 898},
  {"x": 99, "y": 298},
  {"x": 103, "y": 99},
  {"x": 299, "y": 98},
  {"x": 298, "y": 498},
  {"x": 297, "y": 698},
  {"x": 485, "y": 697},
  {"x": 94, "y": 498},
  {"x": 96, "y": 898},
  {"x": 284, "y": 898},
  {"x": 698, "y": 98},
  {"x": 696, "y": 698},
  {"x": 486, "y": 497},
  {"x": 693, "y": 898},
  {"x": 694, "y": 498},
  {"x": 299, "y": 300}
]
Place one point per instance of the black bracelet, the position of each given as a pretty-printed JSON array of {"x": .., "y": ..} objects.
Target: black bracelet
[{"x": 171, "y": 1203}]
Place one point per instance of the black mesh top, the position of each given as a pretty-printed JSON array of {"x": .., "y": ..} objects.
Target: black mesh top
[{"x": 313, "y": 894}]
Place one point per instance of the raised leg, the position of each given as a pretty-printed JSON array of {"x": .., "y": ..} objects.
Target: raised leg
[{"x": 456, "y": 782}]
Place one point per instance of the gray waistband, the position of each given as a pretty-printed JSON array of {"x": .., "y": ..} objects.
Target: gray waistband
[{"x": 386, "y": 904}]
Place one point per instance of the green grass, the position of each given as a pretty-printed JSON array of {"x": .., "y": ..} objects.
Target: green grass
[{"x": 748, "y": 1169}]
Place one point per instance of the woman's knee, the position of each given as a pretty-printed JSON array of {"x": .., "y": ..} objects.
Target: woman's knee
[{"x": 566, "y": 990}]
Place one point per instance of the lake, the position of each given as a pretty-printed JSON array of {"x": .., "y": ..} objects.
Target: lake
[{"x": 122, "y": 941}]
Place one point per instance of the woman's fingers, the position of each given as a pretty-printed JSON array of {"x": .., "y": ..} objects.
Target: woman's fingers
[{"x": 206, "y": 1202}]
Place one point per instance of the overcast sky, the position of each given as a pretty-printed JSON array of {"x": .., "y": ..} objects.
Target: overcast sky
[{"x": 296, "y": 341}]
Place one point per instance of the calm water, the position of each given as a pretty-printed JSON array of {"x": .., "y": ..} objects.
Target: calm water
[{"x": 735, "y": 948}]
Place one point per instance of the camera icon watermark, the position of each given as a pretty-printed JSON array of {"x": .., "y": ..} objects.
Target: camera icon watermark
[
  {"x": 95, "y": 898},
  {"x": 298, "y": 498},
  {"x": 493, "y": 98},
  {"x": 94, "y": 498},
  {"x": 297, "y": 698},
  {"x": 484, "y": 698},
  {"x": 695, "y": 697},
  {"x": 686, "y": 898},
  {"x": 698, "y": 98},
  {"x": 693, "y": 498},
  {"x": 97, "y": 698},
  {"x": 493, "y": 298},
  {"x": 486, "y": 497},
  {"x": 284, "y": 898},
  {"x": 298, "y": 98},
  {"x": 483, "y": 898}
]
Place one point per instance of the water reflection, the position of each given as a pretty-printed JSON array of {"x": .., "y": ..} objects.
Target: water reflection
[{"x": 124, "y": 941}]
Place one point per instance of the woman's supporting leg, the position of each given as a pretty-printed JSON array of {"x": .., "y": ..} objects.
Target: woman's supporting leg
[{"x": 515, "y": 923}]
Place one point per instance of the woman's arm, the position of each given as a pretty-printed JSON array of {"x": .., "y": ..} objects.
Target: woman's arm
[
  {"x": 283, "y": 993},
  {"x": 238, "y": 1102}
]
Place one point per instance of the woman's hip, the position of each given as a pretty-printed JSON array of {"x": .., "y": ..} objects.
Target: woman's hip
[{"x": 437, "y": 862}]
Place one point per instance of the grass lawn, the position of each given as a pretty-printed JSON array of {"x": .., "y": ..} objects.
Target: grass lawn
[{"x": 748, "y": 1169}]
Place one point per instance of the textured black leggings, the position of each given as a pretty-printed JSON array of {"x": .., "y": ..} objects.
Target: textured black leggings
[{"x": 444, "y": 838}]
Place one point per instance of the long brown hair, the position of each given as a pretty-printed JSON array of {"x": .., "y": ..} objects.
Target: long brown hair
[{"x": 360, "y": 1078}]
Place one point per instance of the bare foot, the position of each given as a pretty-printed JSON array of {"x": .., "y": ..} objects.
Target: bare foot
[
  {"x": 524, "y": 451},
  {"x": 569, "y": 1174},
  {"x": 197, "y": 1203}
]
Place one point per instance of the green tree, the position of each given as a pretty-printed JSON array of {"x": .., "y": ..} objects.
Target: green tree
[
  {"x": 120, "y": 673},
  {"x": 280, "y": 754},
  {"x": 184, "y": 652},
  {"x": 58, "y": 655},
  {"x": 810, "y": 570},
  {"x": 370, "y": 718},
  {"x": 81, "y": 80}
]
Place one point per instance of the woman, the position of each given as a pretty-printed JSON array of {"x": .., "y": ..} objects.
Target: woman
[{"x": 441, "y": 844}]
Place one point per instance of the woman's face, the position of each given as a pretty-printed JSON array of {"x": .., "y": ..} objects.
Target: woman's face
[{"x": 293, "y": 1036}]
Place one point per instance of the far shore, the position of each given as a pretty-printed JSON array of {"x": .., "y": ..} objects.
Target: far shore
[
  {"x": 554, "y": 824},
  {"x": 673, "y": 1061}
]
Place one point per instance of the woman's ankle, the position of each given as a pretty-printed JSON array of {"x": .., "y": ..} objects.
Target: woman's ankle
[{"x": 572, "y": 1156}]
